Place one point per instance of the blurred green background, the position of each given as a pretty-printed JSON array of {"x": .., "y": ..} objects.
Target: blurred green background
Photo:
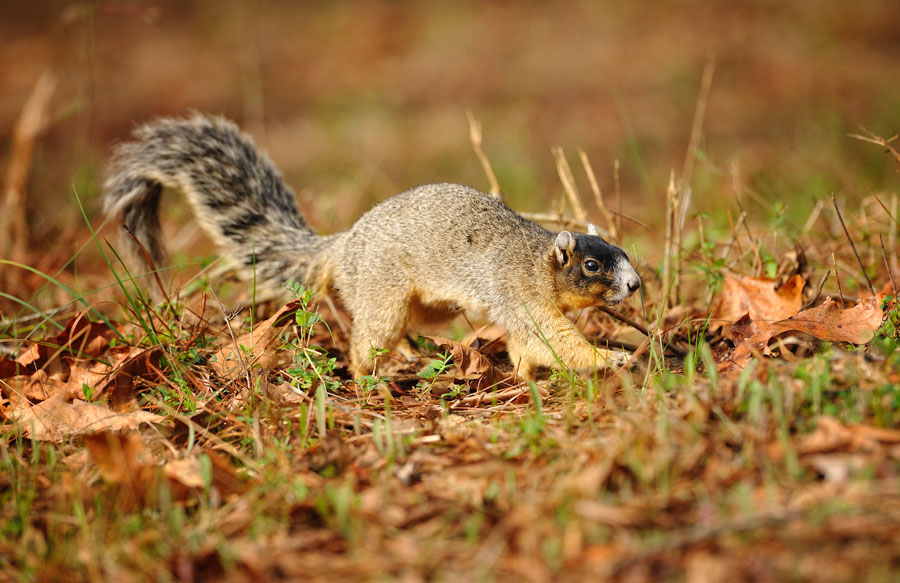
[{"x": 356, "y": 101}]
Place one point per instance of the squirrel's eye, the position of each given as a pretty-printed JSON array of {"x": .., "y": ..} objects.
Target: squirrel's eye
[{"x": 591, "y": 266}]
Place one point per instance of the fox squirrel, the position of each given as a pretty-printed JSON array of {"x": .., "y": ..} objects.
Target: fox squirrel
[{"x": 422, "y": 255}]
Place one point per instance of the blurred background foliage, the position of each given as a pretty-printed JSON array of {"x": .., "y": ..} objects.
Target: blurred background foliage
[{"x": 356, "y": 101}]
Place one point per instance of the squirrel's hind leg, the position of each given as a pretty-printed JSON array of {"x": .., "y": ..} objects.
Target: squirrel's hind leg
[{"x": 378, "y": 324}]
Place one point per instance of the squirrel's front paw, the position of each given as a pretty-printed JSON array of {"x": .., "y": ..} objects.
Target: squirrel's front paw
[{"x": 615, "y": 358}]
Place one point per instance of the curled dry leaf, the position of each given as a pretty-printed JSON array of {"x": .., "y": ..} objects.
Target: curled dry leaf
[
  {"x": 9, "y": 367},
  {"x": 856, "y": 325},
  {"x": 257, "y": 347},
  {"x": 469, "y": 363},
  {"x": 80, "y": 337},
  {"x": 55, "y": 419},
  {"x": 757, "y": 297},
  {"x": 488, "y": 340}
]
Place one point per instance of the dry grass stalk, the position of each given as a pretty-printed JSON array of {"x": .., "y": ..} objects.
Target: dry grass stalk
[
  {"x": 887, "y": 266},
  {"x": 837, "y": 278},
  {"x": 618, "y": 192},
  {"x": 568, "y": 182},
  {"x": 862, "y": 267},
  {"x": 598, "y": 196},
  {"x": 687, "y": 175},
  {"x": 32, "y": 121},
  {"x": 873, "y": 138},
  {"x": 475, "y": 136},
  {"x": 670, "y": 249}
]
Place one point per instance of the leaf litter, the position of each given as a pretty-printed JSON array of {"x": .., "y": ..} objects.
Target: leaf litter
[{"x": 753, "y": 465}]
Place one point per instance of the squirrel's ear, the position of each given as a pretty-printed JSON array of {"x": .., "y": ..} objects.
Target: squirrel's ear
[
  {"x": 565, "y": 244},
  {"x": 593, "y": 230}
]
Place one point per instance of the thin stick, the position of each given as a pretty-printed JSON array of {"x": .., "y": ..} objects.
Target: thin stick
[
  {"x": 148, "y": 261},
  {"x": 669, "y": 249},
  {"x": 625, "y": 319},
  {"x": 837, "y": 277},
  {"x": 889, "y": 213},
  {"x": 31, "y": 123},
  {"x": 687, "y": 173},
  {"x": 568, "y": 182},
  {"x": 598, "y": 196},
  {"x": 812, "y": 302},
  {"x": 618, "y": 191},
  {"x": 846, "y": 232},
  {"x": 887, "y": 266},
  {"x": 878, "y": 140},
  {"x": 475, "y": 137}
]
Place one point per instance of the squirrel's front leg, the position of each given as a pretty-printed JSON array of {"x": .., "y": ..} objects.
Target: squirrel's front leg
[{"x": 558, "y": 344}]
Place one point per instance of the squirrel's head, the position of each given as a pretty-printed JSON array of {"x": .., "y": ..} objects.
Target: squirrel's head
[{"x": 591, "y": 272}]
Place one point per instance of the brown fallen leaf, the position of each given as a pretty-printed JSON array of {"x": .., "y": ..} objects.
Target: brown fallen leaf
[
  {"x": 125, "y": 463},
  {"x": 120, "y": 458},
  {"x": 856, "y": 325},
  {"x": 9, "y": 367},
  {"x": 488, "y": 340},
  {"x": 80, "y": 337},
  {"x": 258, "y": 347},
  {"x": 832, "y": 436},
  {"x": 38, "y": 386},
  {"x": 131, "y": 364},
  {"x": 757, "y": 297},
  {"x": 469, "y": 363},
  {"x": 55, "y": 419}
]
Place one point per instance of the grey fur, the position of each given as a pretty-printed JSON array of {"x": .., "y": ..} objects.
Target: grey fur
[{"x": 420, "y": 255}]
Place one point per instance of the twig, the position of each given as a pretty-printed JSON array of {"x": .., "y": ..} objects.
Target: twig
[
  {"x": 32, "y": 121},
  {"x": 598, "y": 196},
  {"x": 637, "y": 326},
  {"x": 878, "y": 140},
  {"x": 148, "y": 260},
  {"x": 687, "y": 173},
  {"x": 475, "y": 137},
  {"x": 671, "y": 211},
  {"x": 837, "y": 277},
  {"x": 889, "y": 213},
  {"x": 846, "y": 232},
  {"x": 812, "y": 302},
  {"x": 887, "y": 266},
  {"x": 568, "y": 182},
  {"x": 618, "y": 191}
]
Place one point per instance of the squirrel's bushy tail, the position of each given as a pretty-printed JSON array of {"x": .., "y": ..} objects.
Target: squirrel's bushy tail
[{"x": 236, "y": 192}]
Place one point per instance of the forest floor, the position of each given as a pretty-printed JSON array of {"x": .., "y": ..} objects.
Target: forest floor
[{"x": 754, "y": 435}]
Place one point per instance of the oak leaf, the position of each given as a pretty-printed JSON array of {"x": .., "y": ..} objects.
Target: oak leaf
[
  {"x": 757, "y": 297},
  {"x": 55, "y": 419},
  {"x": 856, "y": 325},
  {"x": 257, "y": 347}
]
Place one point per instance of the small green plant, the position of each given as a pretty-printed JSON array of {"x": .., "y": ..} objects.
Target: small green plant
[{"x": 435, "y": 368}]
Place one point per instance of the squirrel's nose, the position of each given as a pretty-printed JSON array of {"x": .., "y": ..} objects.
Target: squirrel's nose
[{"x": 634, "y": 284}]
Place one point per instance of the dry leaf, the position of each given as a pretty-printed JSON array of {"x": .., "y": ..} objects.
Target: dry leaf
[
  {"x": 124, "y": 462},
  {"x": 258, "y": 347},
  {"x": 55, "y": 419},
  {"x": 29, "y": 388},
  {"x": 469, "y": 363},
  {"x": 832, "y": 436},
  {"x": 829, "y": 321},
  {"x": 9, "y": 367},
  {"x": 120, "y": 458},
  {"x": 757, "y": 297},
  {"x": 80, "y": 337}
]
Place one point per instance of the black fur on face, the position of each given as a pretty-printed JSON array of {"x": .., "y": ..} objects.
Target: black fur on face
[{"x": 588, "y": 273}]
